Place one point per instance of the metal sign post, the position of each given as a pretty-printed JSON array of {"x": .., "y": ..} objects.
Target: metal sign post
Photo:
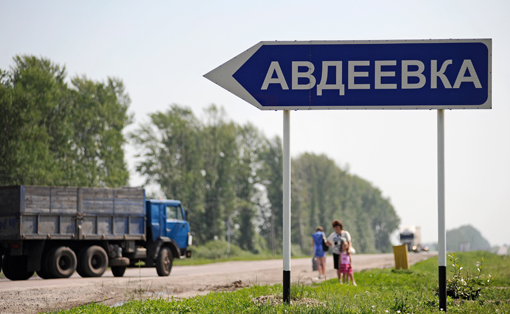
[
  {"x": 441, "y": 243},
  {"x": 286, "y": 206},
  {"x": 381, "y": 74}
]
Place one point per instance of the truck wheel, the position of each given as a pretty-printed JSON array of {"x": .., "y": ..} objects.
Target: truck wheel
[
  {"x": 15, "y": 267},
  {"x": 164, "y": 262},
  {"x": 118, "y": 271},
  {"x": 93, "y": 262},
  {"x": 44, "y": 272},
  {"x": 61, "y": 262}
]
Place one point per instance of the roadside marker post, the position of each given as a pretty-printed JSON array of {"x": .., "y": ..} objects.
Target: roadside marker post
[
  {"x": 441, "y": 239},
  {"x": 286, "y": 206},
  {"x": 401, "y": 258},
  {"x": 362, "y": 75}
]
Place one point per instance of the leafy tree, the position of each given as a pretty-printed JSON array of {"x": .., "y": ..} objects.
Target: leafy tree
[
  {"x": 29, "y": 119},
  {"x": 41, "y": 120},
  {"x": 322, "y": 192},
  {"x": 271, "y": 177},
  {"x": 207, "y": 165},
  {"x": 171, "y": 155},
  {"x": 98, "y": 122},
  {"x": 249, "y": 142},
  {"x": 219, "y": 160}
]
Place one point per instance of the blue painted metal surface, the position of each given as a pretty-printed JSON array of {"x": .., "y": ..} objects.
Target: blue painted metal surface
[
  {"x": 427, "y": 74},
  {"x": 176, "y": 227}
]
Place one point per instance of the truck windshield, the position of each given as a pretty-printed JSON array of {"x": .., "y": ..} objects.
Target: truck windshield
[
  {"x": 173, "y": 212},
  {"x": 407, "y": 237}
]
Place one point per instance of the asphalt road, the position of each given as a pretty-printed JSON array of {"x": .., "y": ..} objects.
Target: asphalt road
[{"x": 37, "y": 295}]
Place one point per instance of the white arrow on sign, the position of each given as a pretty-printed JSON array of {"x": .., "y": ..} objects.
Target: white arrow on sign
[{"x": 224, "y": 75}]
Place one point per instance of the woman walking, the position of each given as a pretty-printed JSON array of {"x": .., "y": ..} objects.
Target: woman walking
[{"x": 318, "y": 237}]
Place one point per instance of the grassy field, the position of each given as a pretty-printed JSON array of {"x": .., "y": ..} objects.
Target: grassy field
[{"x": 378, "y": 291}]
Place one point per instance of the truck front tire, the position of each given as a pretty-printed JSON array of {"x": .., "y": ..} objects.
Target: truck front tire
[
  {"x": 61, "y": 262},
  {"x": 164, "y": 262},
  {"x": 92, "y": 261}
]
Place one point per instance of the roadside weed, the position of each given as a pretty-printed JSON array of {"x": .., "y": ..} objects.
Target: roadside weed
[{"x": 463, "y": 284}]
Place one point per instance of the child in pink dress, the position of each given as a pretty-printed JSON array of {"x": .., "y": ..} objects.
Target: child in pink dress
[{"x": 345, "y": 268}]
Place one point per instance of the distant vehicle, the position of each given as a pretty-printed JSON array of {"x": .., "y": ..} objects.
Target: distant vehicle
[
  {"x": 411, "y": 236},
  {"x": 55, "y": 231}
]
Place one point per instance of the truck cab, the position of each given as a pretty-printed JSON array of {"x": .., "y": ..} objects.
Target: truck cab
[
  {"x": 168, "y": 234},
  {"x": 168, "y": 222},
  {"x": 410, "y": 235}
]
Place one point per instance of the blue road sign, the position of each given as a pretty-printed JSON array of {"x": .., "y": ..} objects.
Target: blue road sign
[{"x": 418, "y": 74}]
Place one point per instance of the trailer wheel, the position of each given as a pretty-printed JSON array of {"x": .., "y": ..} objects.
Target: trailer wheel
[
  {"x": 44, "y": 272},
  {"x": 164, "y": 262},
  {"x": 118, "y": 271},
  {"x": 15, "y": 268},
  {"x": 92, "y": 262},
  {"x": 61, "y": 262}
]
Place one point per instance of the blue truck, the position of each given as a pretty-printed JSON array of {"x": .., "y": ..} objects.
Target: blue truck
[{"x": 55, "y": 231}]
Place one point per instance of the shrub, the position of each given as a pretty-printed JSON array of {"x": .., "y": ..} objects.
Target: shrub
[
  {"x": 216, "y": 249},
  {"x": 463, "y": 285}
]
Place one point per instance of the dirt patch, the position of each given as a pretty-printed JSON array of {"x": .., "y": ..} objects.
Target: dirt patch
[
  {"x": 276, "y": 300},
  {"x": 238, "y": 284},
  {"x": 54, "y": 299}
]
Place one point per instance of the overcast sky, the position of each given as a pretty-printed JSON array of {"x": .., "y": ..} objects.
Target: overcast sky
[{"x": 162, "y": 49}]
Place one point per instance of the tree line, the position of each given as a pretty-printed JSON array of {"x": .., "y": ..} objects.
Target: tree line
[
  {"x": 466, "y": 238},
  {"x": 229, "y": 176},
  {"x": 59, "y": 132}
]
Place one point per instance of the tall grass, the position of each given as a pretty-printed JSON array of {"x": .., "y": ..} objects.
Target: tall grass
[{"x": 378, "y": 291}]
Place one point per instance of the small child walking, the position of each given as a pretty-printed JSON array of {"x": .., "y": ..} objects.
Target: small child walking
[{"x": 345, "y": 268}]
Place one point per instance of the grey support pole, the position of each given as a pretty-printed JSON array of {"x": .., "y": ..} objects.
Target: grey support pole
[
  {"x": 441, "y": 210},
  {"x": 286, "y": 206}
]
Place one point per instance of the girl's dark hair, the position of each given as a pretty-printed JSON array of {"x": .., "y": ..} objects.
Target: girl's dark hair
[
  {"x": 319, "y": 228},
  {"x": 338, "y": 223}
]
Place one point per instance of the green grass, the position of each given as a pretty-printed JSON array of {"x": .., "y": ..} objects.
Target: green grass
[
  {"x": 203, "y": 261},
  {"x": 378, "y": 291}
]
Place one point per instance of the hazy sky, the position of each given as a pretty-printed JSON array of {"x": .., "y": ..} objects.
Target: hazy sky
[{"x": 162, "y": 49}]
